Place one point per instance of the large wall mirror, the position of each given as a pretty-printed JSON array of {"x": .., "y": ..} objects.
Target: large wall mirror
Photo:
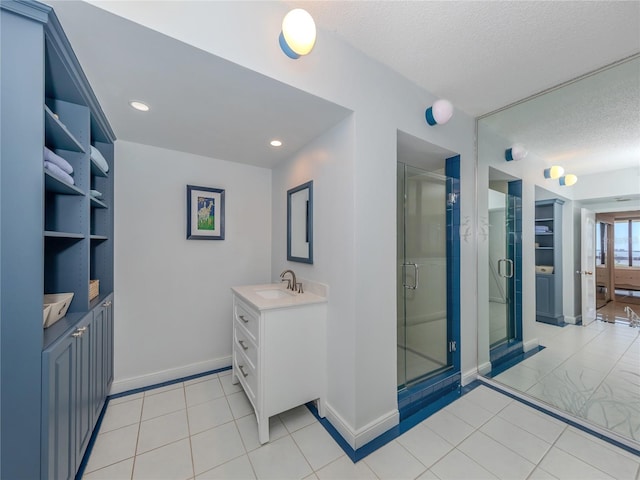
[
  {"x": 300, "y": 223},
  {"x": 580, "y": 270}
]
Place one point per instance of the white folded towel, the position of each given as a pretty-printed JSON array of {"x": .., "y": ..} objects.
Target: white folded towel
[
  {"x": 97, "y": 157},
  {"x": 95, "y": 193},
  {"x": 57, "y": 172},
  {"x": 65, "y": 166}
]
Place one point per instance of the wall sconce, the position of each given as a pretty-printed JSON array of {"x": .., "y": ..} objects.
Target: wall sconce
[
  {"x": 439, "y": 113},
  {"x": 298, "y": 35},
  {"x": 568, "y": 180},
  {"x": 553, "y": 172},
  {"x": 515, "y": 152}
]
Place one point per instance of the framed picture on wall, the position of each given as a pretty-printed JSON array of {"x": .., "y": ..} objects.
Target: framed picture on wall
[{"x": 205, "y": 213}]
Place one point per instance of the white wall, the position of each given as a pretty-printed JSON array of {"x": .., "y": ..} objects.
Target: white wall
[
  {"x": 172, "y": 295},
  {"x": 384, "y": 102},
  {"x": 328, "y": 161}
]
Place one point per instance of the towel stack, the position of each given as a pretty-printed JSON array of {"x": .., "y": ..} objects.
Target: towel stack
[
  {"x": 542, "y": 229},
  {"x": 58, "y": 167},
  {"x": 99, "y": 160}
]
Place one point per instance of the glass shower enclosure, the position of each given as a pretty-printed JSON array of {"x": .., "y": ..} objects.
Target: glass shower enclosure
[{"x": 424, "y": 334}]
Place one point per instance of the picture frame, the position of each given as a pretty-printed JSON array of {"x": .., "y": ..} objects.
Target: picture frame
[{"x": 205, "y": 213}]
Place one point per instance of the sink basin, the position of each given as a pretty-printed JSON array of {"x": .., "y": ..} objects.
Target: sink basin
[{"x": 273, "y": 294}]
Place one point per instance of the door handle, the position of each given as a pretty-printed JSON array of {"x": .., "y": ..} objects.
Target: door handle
[
  {"x": 584, "y": 272},
  {"x": 415, "y": 282},
  {"x": 510, "y": 263}
]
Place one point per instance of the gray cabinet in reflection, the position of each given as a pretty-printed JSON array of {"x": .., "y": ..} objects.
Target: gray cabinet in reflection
[{"x": 548, "y": 248}]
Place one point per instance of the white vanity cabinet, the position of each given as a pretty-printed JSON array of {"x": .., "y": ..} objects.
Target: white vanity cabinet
[{"x": 279, "y": 352}]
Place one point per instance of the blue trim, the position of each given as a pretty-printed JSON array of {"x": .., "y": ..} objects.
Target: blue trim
[
  {"x": 508, "y": 154},
  {"x": 415, "y": 398},
  {"x": 92, "y": 441},
  {"x": 514, "y": 231},
  {"x": 452, "y": 170},
  {"x": 510, "y": 359},
  {"x": 286, "y": 48},
  {"x": 169, "y": 382},
  {"x": 391, "y": 434},
  {"x": 563, "y": 419},
  {"x": 428, "y": 115},
  {"x": 309, "y": 224}
]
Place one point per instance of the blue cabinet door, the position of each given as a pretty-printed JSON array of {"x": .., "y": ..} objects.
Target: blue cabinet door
[
  {"x": 108, "y": 342},
  {"x": 99, "y": 387},
  {"x": 85, "y": 335},
  {"x": 59, "y": 410}
]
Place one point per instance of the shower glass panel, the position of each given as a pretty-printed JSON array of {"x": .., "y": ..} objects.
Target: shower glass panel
[
  {"x": 424, "y": 328},
  {"x": 502, "y": 268}
]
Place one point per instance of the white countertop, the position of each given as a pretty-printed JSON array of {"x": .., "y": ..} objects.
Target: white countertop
[{"x": 290, "y": 299}]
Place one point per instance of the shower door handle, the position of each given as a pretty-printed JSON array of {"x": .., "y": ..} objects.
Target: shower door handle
[
  {"x": 415, "y": 282},
  {"x": 510, "y": 263}
]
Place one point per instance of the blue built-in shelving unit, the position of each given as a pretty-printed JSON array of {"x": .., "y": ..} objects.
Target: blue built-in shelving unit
[{"x": 54, "y": 239}]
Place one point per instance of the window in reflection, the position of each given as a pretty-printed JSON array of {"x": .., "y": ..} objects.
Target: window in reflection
[
  {"x": 601, "y": 243},
  {"x": 627, "y": 243}
]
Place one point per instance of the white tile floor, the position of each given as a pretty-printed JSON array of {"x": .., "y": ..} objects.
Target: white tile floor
[
  {"x": 205, "y": 429},
  {"x": 591, "y": 372}
]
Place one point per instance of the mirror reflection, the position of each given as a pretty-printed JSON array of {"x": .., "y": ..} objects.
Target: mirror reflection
[
  {"x": 300, "y": 223},
  {"x": 578, "y": 350}
]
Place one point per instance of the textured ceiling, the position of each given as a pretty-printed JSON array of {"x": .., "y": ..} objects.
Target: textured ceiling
[
  {"x": 588, "y": 126},
  {"x": 483, "y": 55}
]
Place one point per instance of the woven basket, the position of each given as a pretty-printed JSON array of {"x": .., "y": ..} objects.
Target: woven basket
[{"x": 94, "y": 289}]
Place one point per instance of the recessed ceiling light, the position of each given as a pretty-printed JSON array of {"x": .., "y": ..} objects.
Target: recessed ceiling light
[
  {"x": 143, "y": 107},
  {"x": 276, "y": 143}
]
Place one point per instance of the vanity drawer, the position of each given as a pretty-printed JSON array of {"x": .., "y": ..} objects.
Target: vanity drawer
[
  {"x": 244, "y": 344},
  {"x": 248, "y": 318},
  {"x": 247, "y": 374}
]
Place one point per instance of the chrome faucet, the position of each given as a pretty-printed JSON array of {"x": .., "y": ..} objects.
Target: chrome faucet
[{"x": 291, "y": 285}]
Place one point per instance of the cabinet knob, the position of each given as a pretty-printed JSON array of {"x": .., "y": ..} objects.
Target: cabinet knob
[
  {"x": 81, "y": 329},
  {"x": 243, "y": 319},
  {"x": 106, "y": 304},
  {"x": 241, "y": 368},
  {"x": 242, "y": 344},
  {"x": 76, "y": 334}
]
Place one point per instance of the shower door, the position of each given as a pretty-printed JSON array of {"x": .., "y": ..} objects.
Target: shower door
[
  {"x": 501, "y": 271},
  {"x": 504, "y": 266},
  {"x": 424, "y": 328}
]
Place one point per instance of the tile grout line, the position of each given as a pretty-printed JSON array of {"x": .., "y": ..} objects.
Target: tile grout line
[
  {"x": 135, "y": 450},
  {"x": 548, "y": 451},
  {"x": 186, "y": 411},
  {"x": 235, "y": 422}
]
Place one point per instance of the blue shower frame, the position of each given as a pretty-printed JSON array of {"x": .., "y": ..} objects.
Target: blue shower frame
[
  {"x": 513, "y": 346},
  {"x": 418, "y": 396}
]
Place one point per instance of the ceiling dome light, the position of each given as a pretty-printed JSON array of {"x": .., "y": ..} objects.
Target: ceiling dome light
[
  {"x": 568, "y": 180},
  {"x": 553, "y": 172},
  {"x": 275, "y": 143},
  {"x": 515, "y": 152},
  {"x": 143, "y": 107},
  {"x": 298, "y": 34},
  {"x": 439, "y": 113}
]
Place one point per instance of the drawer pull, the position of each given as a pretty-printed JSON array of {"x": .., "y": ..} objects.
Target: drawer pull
[
  {"x": 76, "y": 334},
  {"x": 243, "y": 319},
  {"x": 243, "y": 345},
  {"x": 81, "y": 329},
  {"x": 106, "y": 304},
  {"x": 244, "y": 374}
]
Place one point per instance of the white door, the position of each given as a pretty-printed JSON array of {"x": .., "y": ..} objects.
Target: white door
[{"x": 588, "y": 265}]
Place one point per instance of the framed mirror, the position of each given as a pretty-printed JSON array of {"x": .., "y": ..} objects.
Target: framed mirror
[{"x": 300, "y": 223}]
